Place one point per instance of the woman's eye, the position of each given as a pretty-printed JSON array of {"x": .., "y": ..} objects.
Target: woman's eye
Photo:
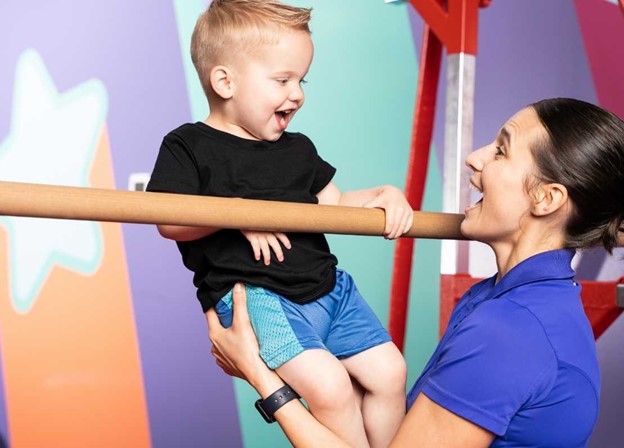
[{"x": 499, "y": 151}]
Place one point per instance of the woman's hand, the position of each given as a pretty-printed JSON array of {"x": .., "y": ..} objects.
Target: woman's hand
[
  {"x": 236, "y": 348},
  {"x": 237, "y": 352}
]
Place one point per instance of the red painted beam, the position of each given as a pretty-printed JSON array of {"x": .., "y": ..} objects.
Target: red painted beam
[
  {"x": 456, "y": 26},
  {"x": 422, "y": 132}
]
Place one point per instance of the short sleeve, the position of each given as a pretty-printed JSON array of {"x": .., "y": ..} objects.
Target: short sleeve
[
  {"x": 324, "y": 172},
  {"x": 175, "y": 170},
  {"x": 495, "y": 362}
]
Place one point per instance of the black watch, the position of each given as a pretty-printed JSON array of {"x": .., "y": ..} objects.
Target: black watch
[{"x": 273, "y": 402}]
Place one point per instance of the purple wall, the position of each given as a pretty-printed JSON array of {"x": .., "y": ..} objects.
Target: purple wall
[{"x": 132, "y": 47}]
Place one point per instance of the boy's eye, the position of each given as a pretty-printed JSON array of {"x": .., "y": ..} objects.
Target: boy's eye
[
  {"x": 303, "y": 81},
  {"x": 499, "y": 151},
  {"x": 283, "y": 80}
]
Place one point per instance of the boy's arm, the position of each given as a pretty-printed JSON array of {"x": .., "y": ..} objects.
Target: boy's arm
[
  {"x": 399, "y": 213},
  {"x": 261, "y": 242},
  {"x": 185, "y": 233}
]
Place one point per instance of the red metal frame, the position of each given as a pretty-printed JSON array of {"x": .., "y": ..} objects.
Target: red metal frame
[
  {"x": 422, "y": 131},
  {"x": 456, "y": 28},
  {"x": 599, "y": 300}
]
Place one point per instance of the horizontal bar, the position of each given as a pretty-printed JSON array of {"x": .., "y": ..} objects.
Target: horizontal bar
[{"x": 93, "y": 204}]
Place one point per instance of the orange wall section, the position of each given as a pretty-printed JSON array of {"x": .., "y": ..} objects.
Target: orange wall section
[{"x": 71, "y": 365}]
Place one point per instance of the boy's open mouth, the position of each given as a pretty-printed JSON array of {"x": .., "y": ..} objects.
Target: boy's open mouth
[{"x": 283, "y": 117}]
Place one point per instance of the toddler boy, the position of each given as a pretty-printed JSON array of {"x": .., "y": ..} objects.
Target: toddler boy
[{"x": 313, "y": 326}]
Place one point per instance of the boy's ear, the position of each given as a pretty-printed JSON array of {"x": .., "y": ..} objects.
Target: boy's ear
[
  {"x": 221, "y": 81},
  {"x": 549, "y": 199}
]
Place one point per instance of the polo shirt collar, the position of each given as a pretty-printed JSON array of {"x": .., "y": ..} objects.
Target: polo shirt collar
[{"x": 551, "y": 265}]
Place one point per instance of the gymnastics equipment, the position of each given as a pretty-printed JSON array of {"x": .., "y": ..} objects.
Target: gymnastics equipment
[
  {"x": 455, "y": 28},
  {"x": 603, "y": 301},
  {"x": 94, "y": 204}
]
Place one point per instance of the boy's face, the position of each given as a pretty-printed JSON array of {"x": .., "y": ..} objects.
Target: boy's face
[{"x": 267, "y": 88}]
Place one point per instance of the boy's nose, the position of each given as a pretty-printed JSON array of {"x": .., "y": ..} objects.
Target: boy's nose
[{"x": 296, "y": 94}]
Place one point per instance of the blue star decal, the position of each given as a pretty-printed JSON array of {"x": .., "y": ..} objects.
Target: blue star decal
[{"x": 52, "y": 140}]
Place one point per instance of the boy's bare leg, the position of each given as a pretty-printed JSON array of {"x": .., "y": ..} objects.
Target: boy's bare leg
[
  {"x": 359, "y": 392},
  {"x": 323, "y": 382},
  {"x": 382, "y": 373}
]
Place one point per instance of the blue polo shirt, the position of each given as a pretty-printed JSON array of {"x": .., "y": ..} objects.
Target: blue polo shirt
[{"x": 519, "y": 358}]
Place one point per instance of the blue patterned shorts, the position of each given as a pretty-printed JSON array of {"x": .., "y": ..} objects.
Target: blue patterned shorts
[{"x": 340, "y": 322}]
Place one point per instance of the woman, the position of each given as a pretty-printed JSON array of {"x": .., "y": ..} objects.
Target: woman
[{"x": 517, "y": 365}]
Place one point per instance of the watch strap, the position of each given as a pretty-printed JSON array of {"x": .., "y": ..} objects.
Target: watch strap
[{"x": 273, "y": 402}]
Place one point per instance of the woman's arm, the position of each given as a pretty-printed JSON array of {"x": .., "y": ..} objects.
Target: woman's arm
[
  {"x": 427, "y": 424},
  {"x": 237, "y": 353}
]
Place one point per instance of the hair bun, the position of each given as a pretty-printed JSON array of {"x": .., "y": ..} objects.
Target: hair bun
[{"x": 612, "y": 232}]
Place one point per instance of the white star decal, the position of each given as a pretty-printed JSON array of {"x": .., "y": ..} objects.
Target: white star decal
[{"x": 52, "y": 140}]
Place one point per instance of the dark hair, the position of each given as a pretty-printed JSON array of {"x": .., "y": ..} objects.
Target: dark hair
[{"x": 585, "y": 153}]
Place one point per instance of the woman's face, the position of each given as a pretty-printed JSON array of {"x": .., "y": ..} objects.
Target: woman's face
[{"x": 502, "y": 171}]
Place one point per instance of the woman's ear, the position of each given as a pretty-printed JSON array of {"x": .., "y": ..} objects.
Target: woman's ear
[
  {"x": 221, "y": 81},
  {"x": 549, "y": 199}
]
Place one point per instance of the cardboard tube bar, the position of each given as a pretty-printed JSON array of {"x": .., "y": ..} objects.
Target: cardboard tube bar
[{"x": 93, "y": 204}]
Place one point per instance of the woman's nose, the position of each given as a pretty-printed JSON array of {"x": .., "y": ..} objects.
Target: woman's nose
[
  {"x": 471, "y": 160},
  {"x": 476, "y": 160}
]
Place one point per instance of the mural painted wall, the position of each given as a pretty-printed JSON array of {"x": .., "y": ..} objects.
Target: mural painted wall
[{"x": 102, "y": 342}]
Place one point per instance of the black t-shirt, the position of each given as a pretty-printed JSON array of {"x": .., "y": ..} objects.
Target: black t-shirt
[{"x": 198, "y": 159}]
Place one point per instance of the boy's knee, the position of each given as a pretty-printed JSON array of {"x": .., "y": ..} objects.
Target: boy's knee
[
  {"x": 397, "y": 373},
  {"x": 392, "y": 377},
  {"x": 331, "y": 393}
]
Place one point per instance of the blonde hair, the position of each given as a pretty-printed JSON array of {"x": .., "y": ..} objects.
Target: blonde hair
[{"x": 229, "y": 27}]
